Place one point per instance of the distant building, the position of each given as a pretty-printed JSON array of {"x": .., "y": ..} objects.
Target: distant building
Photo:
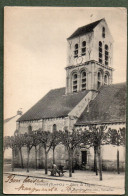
[
  {"x": 10, "y": 130},
  {"x": 10, "y": 124},
  {"x": 88, "y": 98}
]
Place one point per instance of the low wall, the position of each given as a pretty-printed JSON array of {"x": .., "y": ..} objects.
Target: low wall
[{"x": 61, "y": 158}]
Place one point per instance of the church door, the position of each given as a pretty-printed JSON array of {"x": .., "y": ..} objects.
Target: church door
[{"x": 84, "y": 157}]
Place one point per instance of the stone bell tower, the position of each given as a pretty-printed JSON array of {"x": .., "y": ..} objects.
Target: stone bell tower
[{"x": 89, "y": 59}]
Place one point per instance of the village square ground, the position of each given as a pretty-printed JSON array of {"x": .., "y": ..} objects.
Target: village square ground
[{"x": 82, "y": 182}]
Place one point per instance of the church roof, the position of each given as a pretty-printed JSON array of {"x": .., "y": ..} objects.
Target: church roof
[
  {"x": 85, "y": 29},
  {"x": 109, "y": 106},
  {"x": 53, "y": 105}
]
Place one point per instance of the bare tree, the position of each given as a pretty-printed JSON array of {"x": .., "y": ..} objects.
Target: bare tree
[
  {"x": 117, "y": 137},
  {"x": 71, "y": 140},
  {"x": 19, "y": 143},
  {"x": 35, "y": 143},
  {"x": 56, "y": 139},
  {"x": 29, "y": 144},
  {"x": 46, "y": 139},
  {"x": 98, "y": 137},
  {"x": 9, "y": 141}
]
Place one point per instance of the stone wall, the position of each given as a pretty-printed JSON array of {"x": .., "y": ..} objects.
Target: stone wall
[
  {"x": 109, "y": 158},
  {"x": 59, "y": 122},
  {"x": 109, "y": 152},
  {"x": 109, "y": 162},
  {"x": 46, "y": 124},
  {"x": 23, "y": 126},
  {"x": 61, "y": 157}
]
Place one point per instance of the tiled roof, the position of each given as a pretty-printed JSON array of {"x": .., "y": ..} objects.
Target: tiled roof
[
  {"x": 8, "y": 119},
  {"x": 52, "y": 105},
  {"x": 85, "y": 29},
  {"x": 109, "y": 106}
]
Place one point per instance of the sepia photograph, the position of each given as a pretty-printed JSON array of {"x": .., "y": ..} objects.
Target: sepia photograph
[{"x": 64, "y": 100}]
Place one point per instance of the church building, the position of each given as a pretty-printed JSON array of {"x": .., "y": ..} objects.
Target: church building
[{"x": 89, "y": 97}]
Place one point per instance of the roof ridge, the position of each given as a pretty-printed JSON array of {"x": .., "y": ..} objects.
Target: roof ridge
[
  {"x": 119, "y": 83},
  {"x": 90, "y": 23},
  {"x": 88, "y": 27},
  {"x": 114, "y": 84},
  {"x": 57, "y": 88}
]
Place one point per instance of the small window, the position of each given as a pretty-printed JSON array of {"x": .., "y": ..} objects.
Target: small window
[
  {"x": 75, "y": 76},
  {"x": 74, "y": 82},
  {"x": 103, "y": 32},
  {"x": 83, "y": 43},
  {"x": 106, "y": 54},
  {"x": 83, "y": 49},
  {"x": 83, "y": 80},
  {"x": 76, "y": 51},
  {"x": 100, "y": 44},
  {"x": 29, "y": 129},
  {"x": 100, "y": 52},
  {"x": 76, "y": 46},
  {"x": 54, "y": 127},
  {"x": 99, "y": 80},
  {"x": 106, "y": 47},
  {"x": 106, "y": 79}
]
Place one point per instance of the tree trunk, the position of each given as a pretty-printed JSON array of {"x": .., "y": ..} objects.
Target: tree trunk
[
  {"x": 73, "y": 170},
  {"x": 96, "y": 163},
  {"x": 28, "y": 152},
  {"x": 118, "y": 162},
  {"x": 95, "y": 160},
  {"x": 53, "y": 155},
  {"x": 70, "y": 162},
  {"x": 35, "y": 157},
  {"x": 46, "y": 167},
  {"x": 21, "y": 158},
  {"x": 100, "y": 162},
  {"x": 12, "y": 159}
]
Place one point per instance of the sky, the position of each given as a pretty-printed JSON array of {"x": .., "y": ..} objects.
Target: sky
[{"x": 35, "y": 49}]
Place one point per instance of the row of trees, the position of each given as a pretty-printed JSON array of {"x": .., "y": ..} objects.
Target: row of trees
[{"x": 94, "y": 136}]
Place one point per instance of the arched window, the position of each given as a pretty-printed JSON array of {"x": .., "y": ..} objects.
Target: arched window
[
  {"x": 99, "y": 79},
  {"x": 76, "y": 51},
  {"x": 106, "y": 54},
  {"x": 29, "y": 129},
  {"x": 54, "y": 127},
  {"x": 83, "y": 50},
  {"x": 74, "y": 82},
  {"x": 106, "y": 79},
  {"x": 103, "y": 32},
  {"x": 83, "y": 80},
  {"x": 100, "y": 52}
]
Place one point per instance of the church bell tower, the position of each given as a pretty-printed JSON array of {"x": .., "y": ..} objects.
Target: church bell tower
[{"x": 89, "y": 59}]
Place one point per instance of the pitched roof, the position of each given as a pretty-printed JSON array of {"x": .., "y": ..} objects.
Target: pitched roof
[
  {"x": 8, "y": 119},
  {"x": 109, "y": 106},
  {"x": 10, "y": 125},
  {"x": 85, "y": 29},
  {"x": 52, "y": 105}
]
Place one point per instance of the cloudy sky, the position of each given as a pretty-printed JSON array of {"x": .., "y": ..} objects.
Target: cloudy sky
[{"x": 35, "y": 49}]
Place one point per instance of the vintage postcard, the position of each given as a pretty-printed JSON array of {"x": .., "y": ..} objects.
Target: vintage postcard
[{"x": 64, "y": 100}]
